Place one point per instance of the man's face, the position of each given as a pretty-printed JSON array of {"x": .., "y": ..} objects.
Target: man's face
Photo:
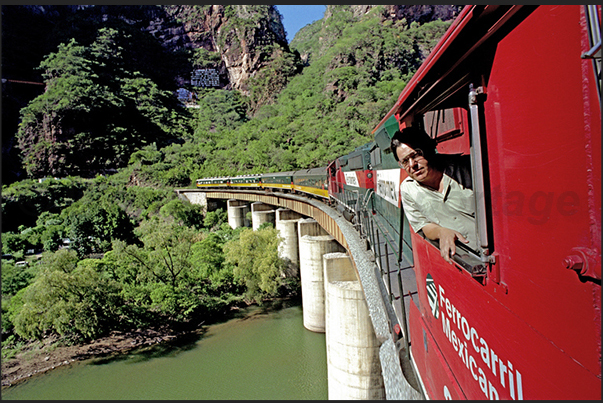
[{"x": 413, "y": 162}]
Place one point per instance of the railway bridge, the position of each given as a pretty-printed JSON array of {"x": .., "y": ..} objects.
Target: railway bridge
[{"x": 348, "y": 289}]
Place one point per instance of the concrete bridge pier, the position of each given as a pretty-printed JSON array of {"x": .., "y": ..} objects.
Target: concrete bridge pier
[
  {"x": 311, "y": 250},
  {"x": 286, "y": 225},
  {"x": 260, "y": 214},
  {"x": 353, "y": 364},
  {"x": 237, "y": 213},
  {"x": 309, "y": 226}
]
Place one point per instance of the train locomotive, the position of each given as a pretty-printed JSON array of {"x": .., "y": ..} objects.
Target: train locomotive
[{"x": 518, "y": 89}]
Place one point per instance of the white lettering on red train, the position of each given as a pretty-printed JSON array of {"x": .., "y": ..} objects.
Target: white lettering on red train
[{"x": 507, "y": 377}]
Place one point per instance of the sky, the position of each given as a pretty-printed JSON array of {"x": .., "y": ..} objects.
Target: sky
[{"x": 296, "y": 17}]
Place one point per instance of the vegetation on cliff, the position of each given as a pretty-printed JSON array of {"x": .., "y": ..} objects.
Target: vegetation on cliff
[
  {"x": 137, "y": 255},
  {"x": 96, "y": 111}
]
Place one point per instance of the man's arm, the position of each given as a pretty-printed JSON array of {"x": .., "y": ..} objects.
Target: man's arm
[
  {"x": 446, "y": 237},
  {"x": 418, "y": 221}
]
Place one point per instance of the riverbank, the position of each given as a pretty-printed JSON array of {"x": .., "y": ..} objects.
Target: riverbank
[
  {"x": 40, "y": 357},
  {"x": 259, "y": 354},
  {"x": 37, "y": 357}
]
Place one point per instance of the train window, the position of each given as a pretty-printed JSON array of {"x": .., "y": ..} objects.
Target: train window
[
  {"x": 355, "y": 162},
  {"x": 452, "y": 133},
  {"x": 448, "y": 128},
  {"x": 375, "y": 156},
  {"x": 441, "y": 123}
]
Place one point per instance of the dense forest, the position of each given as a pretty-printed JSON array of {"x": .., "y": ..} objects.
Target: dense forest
[{"x": 94, "y": 238}]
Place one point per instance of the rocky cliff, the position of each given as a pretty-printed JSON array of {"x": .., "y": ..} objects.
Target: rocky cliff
[
  {"x": 412, "y": 13},
  {"x": 242, "y": 35}
]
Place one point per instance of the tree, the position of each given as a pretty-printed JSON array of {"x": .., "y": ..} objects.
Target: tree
[
  {"x": 52, "y": 237},
  {"x": 269, "y": 81},
  {"x": 75, "y": 302},
  {"x": 92, "y": 226},
  {"x": 203, "y": 59},
  {"x": 67, "y": 130},
  {"x": 15, "y": 278},
  {"x": 214, "y": 219},
  {"x": 208, "y": 262},
  {"x": 257, "y": 265},
  {"x": 219, "y": 110},
  {"x": 168, "y": 247},
  {"x": 158, "y": 275},
  {"x": 184, "y": 212},
  {"x": 13, "y": 243},
  {"x": 51, "y": 137},
  {"x": 63, "y": 260}
]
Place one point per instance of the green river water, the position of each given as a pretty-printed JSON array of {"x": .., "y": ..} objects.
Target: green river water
[{"x": 264, "y": 355}]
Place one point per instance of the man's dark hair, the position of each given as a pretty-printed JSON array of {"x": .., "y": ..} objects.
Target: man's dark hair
[
  {"x": 457, "y": 166},
  {"x": 414, "y": 137}
]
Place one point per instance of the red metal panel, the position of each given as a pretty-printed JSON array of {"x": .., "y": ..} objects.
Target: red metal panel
[
  {"x": 492, "y": 353},
  {"x": 457, "y": 145},
  {"x": 542, "y": 203},
  {"x": 542, "y": 320},
  {"x": 363, "y": 179},
  {"x": 437, "y": 378}
]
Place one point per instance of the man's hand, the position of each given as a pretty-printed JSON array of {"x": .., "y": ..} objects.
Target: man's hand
[{"x": 447, "y": 237}]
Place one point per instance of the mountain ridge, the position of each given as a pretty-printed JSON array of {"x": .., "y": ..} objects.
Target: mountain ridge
[{"x": 246, "y": 46}]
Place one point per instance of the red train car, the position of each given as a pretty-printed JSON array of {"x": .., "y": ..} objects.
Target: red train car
[
  {"x": 517, "y": 88},
  {"x": 350, "y": 178}
]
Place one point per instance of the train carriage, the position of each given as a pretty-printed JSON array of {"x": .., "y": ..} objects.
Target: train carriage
[
  {"x": 278, "y": 180},
  {"x": 518, "y": 89},
  {"x": 213, "y": 182},
  {"x": 246, "y": 181},
  {"x": 312, "y": 181}
]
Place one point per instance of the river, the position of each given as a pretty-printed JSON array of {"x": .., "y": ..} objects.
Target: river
[{"x": 262, "y": 355}]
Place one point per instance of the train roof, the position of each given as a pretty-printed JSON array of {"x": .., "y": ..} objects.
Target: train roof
[
  {"x": 287, "y": 173},
  {"x": 363, "y": 148},
  {"x": 459, "y": 58},
  {"x": 312, "y": 171}
]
